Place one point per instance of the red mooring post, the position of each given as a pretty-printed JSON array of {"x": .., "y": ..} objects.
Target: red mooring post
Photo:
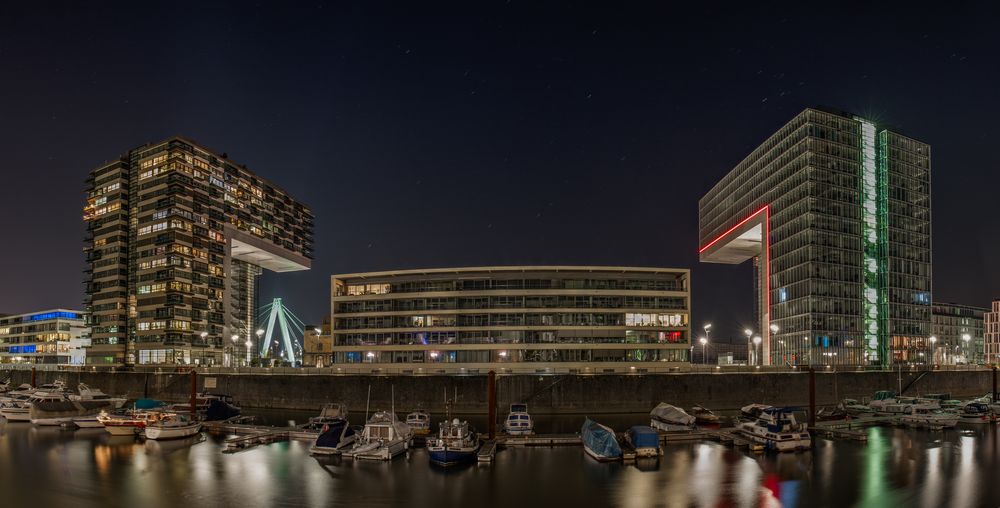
[
  {"x": 812, "y": 397},
  {"x": 33, "y": 379},
  {"x": 491, "y": 399},
  {"x": 194, "y": 392}
]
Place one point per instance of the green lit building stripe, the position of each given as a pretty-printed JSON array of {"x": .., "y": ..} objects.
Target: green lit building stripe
[{"x": 874, "y": 242}]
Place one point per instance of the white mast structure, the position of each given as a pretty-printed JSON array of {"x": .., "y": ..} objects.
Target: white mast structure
[{"x": 290, "y": 327}]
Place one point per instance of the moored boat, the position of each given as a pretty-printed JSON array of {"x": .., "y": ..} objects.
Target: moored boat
[
  {"x": 172, "y": 426},
  {"x": 751, "y": 412},
  {"x": 455, "y": 444},
  {"x": 87, "y": 422},
  {"x": 670, "y": 418},
  {"x": 599, "y": 441},
  {"x": 419, "y": 422},
  {"x": 518, "y": 422},
  {"x": 336, "y": 436},
  {"x": 777, "y": 429},
  {"x": 127, "y": 423},
  {"x": 929, "y": 416},
  {"x": 383, "y": 438},
  {"x": 645, "y": 440},
  {"x": 975, "y": 413},
  {"x": 329, "y": 414},
  {"x": 703, "y": 416},
  {"x": 57, "y": 408}
]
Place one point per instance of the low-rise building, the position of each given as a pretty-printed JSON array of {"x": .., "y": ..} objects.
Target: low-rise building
[
  {"x": 57, "y": 336},
  {"x": 317, "y": 346},
  {"x": 958, "y": 333},
  {"x": 512, "y": 319}
]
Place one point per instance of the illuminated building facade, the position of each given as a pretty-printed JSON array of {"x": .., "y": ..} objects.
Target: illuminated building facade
[
  {"x": 834, "y": 210},
  {"x": 511, "y": 319},
  {"x": 958, "y": 333},
  {"x": 54, "y": 337},
  {"x": 176, "y": 238},
  {"x": 991, "y": 334}
]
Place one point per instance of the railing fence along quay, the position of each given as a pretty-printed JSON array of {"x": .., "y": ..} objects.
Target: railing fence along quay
[{"x": 411, "y": 370}]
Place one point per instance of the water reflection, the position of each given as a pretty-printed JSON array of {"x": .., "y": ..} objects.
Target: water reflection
[{"x": 897, "y": 467}]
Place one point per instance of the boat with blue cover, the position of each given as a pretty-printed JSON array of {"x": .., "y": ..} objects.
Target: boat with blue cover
[
  {"x": 335, "y": 436},
  {"x": 456, "y": 444},
  {"x": 599, "y": 441},
  {"x": 645, "y": 440}
]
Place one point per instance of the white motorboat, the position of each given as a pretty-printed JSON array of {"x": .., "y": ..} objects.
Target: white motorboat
[
  {"x": 777, "y": 429},
  {"x": 87, "y": 393},
  {"x": 172, "y": 426},
  {"x": 670, "y": 418},
  {"x": 57, "y": 408},
  {"x": 420, "y": 422},
  {"x": 383, "y": 438},
  {"x": 975, "y": 413},
  {"x": 87, "y": 422},
  {"x": 329, "y": 414},
  {"x": 929, "y": 416},
  {"x": 751, "y": 412},
  {"x": 128, "y": 423},
  {"x": 15, "y": 408},
  {"x": 519, "y": 422}
]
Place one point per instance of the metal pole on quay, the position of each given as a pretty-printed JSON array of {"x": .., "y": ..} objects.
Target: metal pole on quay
[
  {"x": 491, "y": 399},
  {"x": 812, "y": 397},
  {"x": 994, "y": 384},
  {"x": 33, "y": 385},
  {"x": 194, "y": 391}
]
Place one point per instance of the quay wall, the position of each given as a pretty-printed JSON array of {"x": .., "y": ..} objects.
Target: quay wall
[{"x": 544, "y": 394}]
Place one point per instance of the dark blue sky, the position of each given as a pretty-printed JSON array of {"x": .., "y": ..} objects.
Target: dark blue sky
[{"x": 484, "y": 133}]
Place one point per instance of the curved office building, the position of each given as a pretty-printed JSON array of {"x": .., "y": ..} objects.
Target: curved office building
[{"x": 511, "y": 319}]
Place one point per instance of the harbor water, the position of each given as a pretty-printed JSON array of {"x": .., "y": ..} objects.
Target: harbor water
[{"x": 47, "y": 466}]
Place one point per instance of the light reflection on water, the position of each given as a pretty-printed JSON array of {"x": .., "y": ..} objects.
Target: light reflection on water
[{"x": 897, "y": 467}]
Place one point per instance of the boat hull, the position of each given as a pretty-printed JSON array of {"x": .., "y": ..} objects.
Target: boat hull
[
  {"x": 930, "y": 423},
  {"x": 344, "y": 444},
  {"x": 122, "y": 429},
  {"x": 379, "y": 451},
  {"x": 16, "y": 414},
  {"x": 452, "y": 456},
  {"x": 599, "y": 457},
  {"x": 45, "y": 413},
  {"x": 669, "y": 427},
  {"x": 88, "y": 423},
  {"x": 160, "y": 433}
]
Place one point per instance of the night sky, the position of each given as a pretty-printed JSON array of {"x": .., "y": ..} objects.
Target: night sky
[{"x": 487, "y": 132}]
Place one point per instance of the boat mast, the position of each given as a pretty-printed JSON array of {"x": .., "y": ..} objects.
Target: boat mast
[{"x": 368, "y": 402}]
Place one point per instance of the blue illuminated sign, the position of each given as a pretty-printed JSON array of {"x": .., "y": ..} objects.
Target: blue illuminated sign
[
  {"x": 22, "y": 349},
  {"x": 54, "y": 315}
]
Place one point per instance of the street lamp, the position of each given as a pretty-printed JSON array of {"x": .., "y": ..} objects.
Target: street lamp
[
  {"x": 933, "y": 339},
  {"x": 703, "y": 341},
  {"x": 756, "y": 343}
]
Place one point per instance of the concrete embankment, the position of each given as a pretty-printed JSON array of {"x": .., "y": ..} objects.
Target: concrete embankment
[{"x": 545, "y": 394}]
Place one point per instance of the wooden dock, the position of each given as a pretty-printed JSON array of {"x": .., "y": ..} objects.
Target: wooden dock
[
  {"x": 488, "y": 451},
  {"x": 539, "y": 440},
  {"x": 248, "y": 436}
]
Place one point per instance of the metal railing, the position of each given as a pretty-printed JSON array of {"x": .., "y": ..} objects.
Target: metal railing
[{"x": 409, "y": 369}]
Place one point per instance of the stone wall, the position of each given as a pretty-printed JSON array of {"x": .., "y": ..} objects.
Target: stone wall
[{"x": 544, "y": 394}]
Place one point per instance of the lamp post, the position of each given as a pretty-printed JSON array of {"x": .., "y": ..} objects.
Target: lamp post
[
  {"x": 707, "y": 328},
  {"x": 966, "y": 338},
  {"x": 749, "y": 333},
  {"x": 259, "y": 333},
  {"x": 756, "y": 343},
  {"x": 774, "y": 331},
  {"x": 703, "y": 341},
  {"x": 235, "y": 338},
  {"x": 933, "y": 339}
]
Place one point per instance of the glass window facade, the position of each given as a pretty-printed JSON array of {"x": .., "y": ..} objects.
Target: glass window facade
[
  {"x": 845, "y": 252},
  {"x": 543, "y": 316}
]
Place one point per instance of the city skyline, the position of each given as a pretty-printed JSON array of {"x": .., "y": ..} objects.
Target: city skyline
[{"x": 558, "y": 164}]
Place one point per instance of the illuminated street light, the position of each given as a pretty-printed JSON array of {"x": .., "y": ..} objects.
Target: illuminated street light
[
  {"x": 774, "y": 328},
  {"x": 704, "y": 342},
  {"x": 966, "y": 338},
  {"x": 318, "y": 331},
  {"x": 756, "y": 344}
]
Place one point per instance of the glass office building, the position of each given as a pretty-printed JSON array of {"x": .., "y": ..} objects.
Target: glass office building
[
  {"x": 176, "y": 238},
  {"x": 512, "y": 319},
  {"x": 834, "y": 211}
]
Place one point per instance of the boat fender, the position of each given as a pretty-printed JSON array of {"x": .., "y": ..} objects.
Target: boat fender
[{"x": 326, "y": 428}]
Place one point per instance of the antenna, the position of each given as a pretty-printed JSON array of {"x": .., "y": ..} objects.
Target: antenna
[{"x": 368, "y": 402}]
